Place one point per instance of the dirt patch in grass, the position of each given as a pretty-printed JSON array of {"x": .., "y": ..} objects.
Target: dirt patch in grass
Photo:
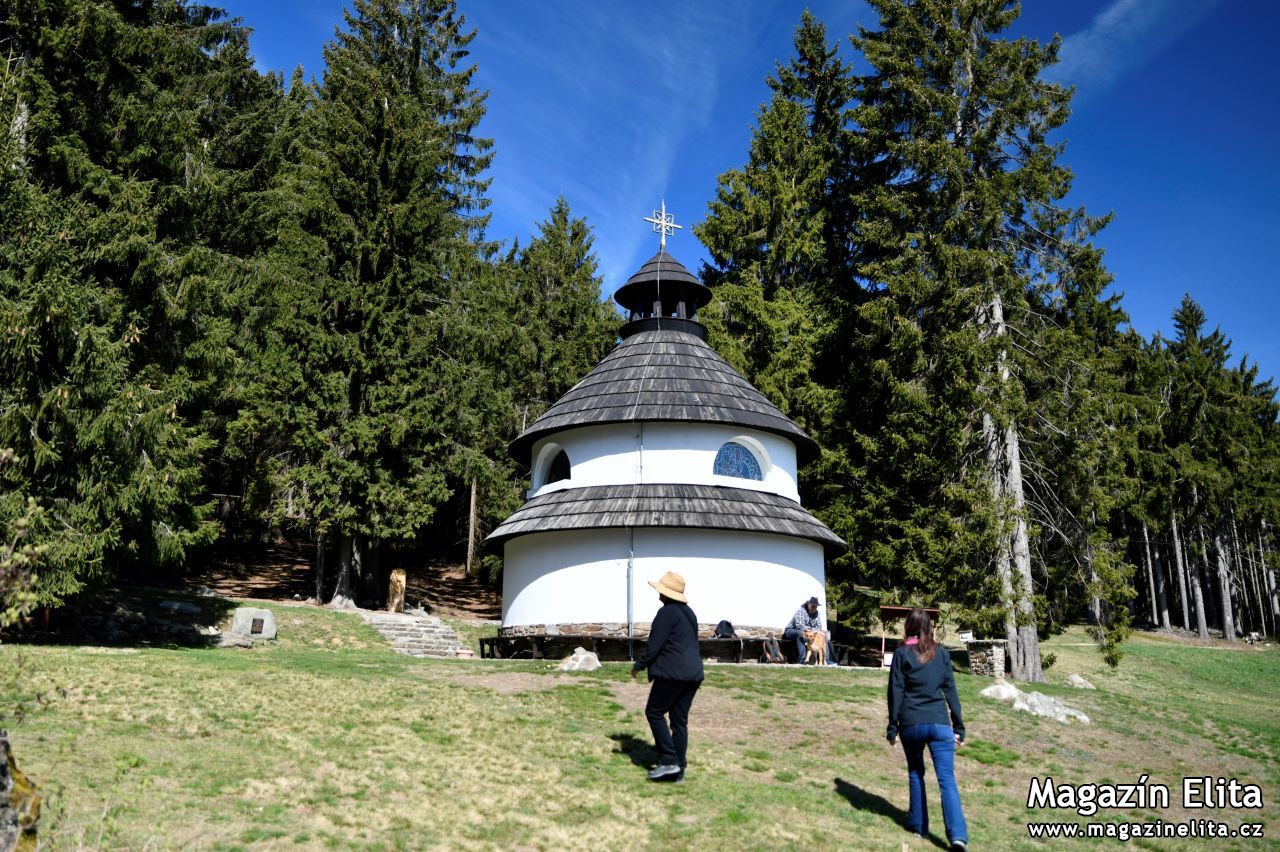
[{"x": 500, "y": 682}]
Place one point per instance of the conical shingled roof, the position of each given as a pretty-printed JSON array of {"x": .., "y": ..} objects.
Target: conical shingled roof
[
  {"x": 664, "y": 375},
  {"x": 667, "y": 505},
  {"x": 662, "y": 268}
]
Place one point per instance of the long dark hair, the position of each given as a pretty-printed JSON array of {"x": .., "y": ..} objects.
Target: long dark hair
[{"x": 920, "y": 625}]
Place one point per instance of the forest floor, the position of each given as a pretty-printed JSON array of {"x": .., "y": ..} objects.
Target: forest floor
[
  {"x": 326, "y": 738},
  {"x": 282, "y": 571}
]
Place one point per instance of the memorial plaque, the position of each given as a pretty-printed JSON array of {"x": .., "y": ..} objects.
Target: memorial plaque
[{"x": 253, "y": 623}]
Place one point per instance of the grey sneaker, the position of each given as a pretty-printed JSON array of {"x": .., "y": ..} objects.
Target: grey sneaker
[{"x": 665, "y": 770}]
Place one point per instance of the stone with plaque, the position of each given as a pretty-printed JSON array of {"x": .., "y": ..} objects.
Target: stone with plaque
[{"x": 253, "y": 623}]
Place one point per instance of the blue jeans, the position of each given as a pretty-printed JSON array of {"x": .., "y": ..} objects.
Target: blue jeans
[{"x": 942, "y": 747}]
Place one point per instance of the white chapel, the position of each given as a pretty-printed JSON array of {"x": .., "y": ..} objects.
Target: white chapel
[{"x": 663, "y": 458}]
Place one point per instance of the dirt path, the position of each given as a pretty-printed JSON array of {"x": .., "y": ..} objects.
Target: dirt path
[{"x": 283, "y": 571}]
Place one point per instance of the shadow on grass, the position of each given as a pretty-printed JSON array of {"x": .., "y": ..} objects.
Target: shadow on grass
[
  {"x": 127, "y": 616},
  {"x": 640, "y": 751},
  {"x": 864, "y": 800}
]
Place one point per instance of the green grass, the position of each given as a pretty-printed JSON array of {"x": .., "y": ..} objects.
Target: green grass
[
  {"x": 471, "y": 632},
  {"x": 327, "y": 739}
]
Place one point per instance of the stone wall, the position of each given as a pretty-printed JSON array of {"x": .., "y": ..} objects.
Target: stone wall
[
  {"x": 618, "y": 630},
  {"x": 986, "y": 657}
]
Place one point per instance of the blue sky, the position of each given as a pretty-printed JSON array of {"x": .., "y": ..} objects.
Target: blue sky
[{"x": 615, "y": 105}]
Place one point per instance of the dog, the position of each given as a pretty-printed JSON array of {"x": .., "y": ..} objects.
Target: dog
[{"x": 817, "y": 644}]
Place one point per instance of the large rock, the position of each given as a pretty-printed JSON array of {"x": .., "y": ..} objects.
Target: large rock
[
  {"x": 179, "y": 607},
  {"x": 253, "y": 623},
  {"x": 581, "y": 660},
  {"x": 1001, "y": 690},
  {"x": 1039, "y": 704},
  {"x": 1078, "y": 682}
]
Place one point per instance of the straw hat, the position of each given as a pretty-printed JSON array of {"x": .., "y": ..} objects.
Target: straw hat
[{"x": 671, "y": 585}]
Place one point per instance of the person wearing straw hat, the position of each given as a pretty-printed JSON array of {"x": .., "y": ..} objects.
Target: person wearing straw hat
[{"x": 675, "y": 673}]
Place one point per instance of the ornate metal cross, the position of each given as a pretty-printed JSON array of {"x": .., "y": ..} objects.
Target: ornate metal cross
[{"x": 664, "y": 223}]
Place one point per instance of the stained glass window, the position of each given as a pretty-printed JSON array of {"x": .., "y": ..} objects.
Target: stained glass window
[
  {"x": 559, "y": 467},
  {"x": 736, "y": 460}
]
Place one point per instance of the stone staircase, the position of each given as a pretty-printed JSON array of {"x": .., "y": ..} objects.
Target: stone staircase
[{"x": 415, "y": 635}]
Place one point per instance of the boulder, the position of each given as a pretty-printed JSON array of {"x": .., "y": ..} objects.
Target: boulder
[
  {"x": 1001, "y": 690},
  {"x": 581, "y": 660},
  {"x": 179, "y": 608},
  {"x": 1078, "y": 682},
  {"x": 253, "y": 623},
  {"x": 1039, "y": 704}
]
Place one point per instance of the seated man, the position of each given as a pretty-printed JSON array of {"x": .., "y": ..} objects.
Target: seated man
[{"x": 806, "y": 618}]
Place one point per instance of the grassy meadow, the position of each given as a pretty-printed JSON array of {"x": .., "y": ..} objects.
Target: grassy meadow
[{"x": 328, "y": 739}]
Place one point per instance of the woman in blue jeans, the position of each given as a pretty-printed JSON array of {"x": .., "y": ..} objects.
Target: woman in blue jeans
[{"x": 922, "y": 688}]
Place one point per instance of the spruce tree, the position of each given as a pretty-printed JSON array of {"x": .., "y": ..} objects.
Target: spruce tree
[
  {"x": 377, "y": 245},
  {"x": 111, "y": 288},
  {"x": 533, "y": 325},
  {"x": 961, "y": 223},
  {"x": 773, "y": 230}
]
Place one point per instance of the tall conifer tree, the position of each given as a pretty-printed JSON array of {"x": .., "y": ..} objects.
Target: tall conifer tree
[
  {"x": 112, "y": 282},
  {"x": 380, "y": 219}
]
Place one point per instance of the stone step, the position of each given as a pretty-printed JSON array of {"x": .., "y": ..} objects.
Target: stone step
[{"x": 416, "y": 635}]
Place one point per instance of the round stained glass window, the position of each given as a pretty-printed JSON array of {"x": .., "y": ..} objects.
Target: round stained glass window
[{"x": 736, "y": 460}]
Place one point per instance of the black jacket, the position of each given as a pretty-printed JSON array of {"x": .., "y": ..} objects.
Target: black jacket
[
  {"x": 920, "y": 693},
  {"x": 672, "y": 652}
]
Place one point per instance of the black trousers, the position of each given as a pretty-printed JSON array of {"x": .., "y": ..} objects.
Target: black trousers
[{"x": 674, "y": 698}]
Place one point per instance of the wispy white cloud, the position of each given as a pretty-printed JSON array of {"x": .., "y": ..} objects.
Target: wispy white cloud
[
  {"x": 1123, "y": 36},
  {"x": 596, "y": 102}
]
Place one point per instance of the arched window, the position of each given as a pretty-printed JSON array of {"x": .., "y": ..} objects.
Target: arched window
[
  {"x": 558, "y": 469},
  {"x": 736, "y": 460}
]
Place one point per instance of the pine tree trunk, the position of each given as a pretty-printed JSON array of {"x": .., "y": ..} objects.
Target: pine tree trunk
[
  {"x": 357, "y": 571},
  {"x": 1180, "y": 567},
  {"x": 1273, "y": 594},
  {"x": 1159, "y": 584},
  {"x": 1259, "y": 599},
  {"x": 1004, "y": 457},
  {"x": 1193, "y": 578},
  {"x": 1151, "y": 573},
  {"x": 321, "y": 553},
  {"x": 1004, "y": 572},
  {"x": 375, "y": 585},
  {"x": 1028, "y": 653},
  {"x": 342, "y": 589},
  {"x": 473, "y": 522},
  {"x": 1224, "y": 588},
  {"x": 1248, "y": 581},
  {"x": 1197, "y": 596},
  {"x": 21, "y": 112},
  {"x": 1162, "y": 588}
]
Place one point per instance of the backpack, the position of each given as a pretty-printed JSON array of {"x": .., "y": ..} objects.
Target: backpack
[
  {"x": 724, "y": 630},
  {"x": 772, "y": 651}
]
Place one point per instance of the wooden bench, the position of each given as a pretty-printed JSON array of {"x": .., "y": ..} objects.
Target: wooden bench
[
  {"x": 620, "y": 649},
  {"x": 607, "y": 648}
]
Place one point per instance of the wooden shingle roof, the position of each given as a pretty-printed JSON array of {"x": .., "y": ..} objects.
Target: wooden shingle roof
[
  {"x": 662, "y": 268},
  {"x": 664, "y": 375},
  {"x": 667, "y": 505}
]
